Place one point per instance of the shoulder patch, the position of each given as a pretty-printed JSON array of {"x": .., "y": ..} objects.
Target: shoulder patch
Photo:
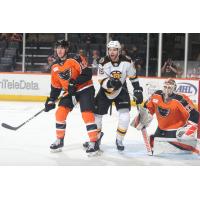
[
  {"x": 104, "y": 60},
  {"x": 101, "y": 60},
  {"x": 55, "y": 69}
]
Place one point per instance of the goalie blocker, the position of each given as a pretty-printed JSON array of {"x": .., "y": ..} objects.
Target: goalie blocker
[{"x": 176, "y": 115}]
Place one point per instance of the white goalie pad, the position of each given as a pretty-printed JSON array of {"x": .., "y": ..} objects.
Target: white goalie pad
[{"x": 143, "y": 119}]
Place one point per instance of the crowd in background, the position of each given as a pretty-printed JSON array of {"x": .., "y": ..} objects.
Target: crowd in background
[
  {"x": 91, "y": 47},
  {"x": 13, "y": 37}
]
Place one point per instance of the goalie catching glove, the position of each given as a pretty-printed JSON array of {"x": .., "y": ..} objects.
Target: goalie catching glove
[
  {"x": 187, "y": 132},
  {"x": 143, "y": 119}
]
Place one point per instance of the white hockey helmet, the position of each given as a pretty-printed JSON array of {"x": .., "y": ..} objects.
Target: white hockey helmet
[{"x": 114, "y": 44}]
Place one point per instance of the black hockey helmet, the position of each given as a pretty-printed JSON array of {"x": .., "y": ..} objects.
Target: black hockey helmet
[{"x": 62, "y": 43}]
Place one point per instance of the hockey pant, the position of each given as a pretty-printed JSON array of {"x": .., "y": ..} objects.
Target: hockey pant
[
  {"x": 123, "y": 122},
  {"x": 88, "y": 118}
]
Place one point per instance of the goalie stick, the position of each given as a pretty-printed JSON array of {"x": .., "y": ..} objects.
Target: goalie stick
[{"x": 14, "y": 128}]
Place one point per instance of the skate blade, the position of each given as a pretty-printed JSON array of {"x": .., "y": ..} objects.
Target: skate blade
[
  {"x": 94, "y": 154},
  {"x": 56, "y": 150}
]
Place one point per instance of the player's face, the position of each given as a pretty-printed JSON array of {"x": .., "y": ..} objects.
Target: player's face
[
  {"x": 113, "y": 54},
  {"x": 60, "y": 52},
  {"x": 168, "y": 89}
]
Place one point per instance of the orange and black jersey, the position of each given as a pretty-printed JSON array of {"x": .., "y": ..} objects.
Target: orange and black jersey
[
  {"x": 81, "y": 74},
  {"x": 173, "y": 114}
]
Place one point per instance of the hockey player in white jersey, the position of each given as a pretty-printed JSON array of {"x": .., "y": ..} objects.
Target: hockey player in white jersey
[{"x": 113, "y": 71}]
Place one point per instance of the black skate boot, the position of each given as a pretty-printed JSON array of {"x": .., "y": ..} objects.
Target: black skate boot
[
  {"x": 92, "y": 149},
  {"x": 57, "y": 145},
  {"x": 120, "y": 145},
  {"x": 86, "y": 144}
]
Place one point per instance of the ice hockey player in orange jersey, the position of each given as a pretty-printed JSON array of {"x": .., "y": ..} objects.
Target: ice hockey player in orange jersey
[
  {"x": 68, "y": 74},
  {"x": 175, "y": 113}
]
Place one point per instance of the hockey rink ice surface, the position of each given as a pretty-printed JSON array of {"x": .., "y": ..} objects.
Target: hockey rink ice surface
[{"x": 29, "y": 145}]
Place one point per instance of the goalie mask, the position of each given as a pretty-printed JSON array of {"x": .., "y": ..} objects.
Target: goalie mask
[{"x": 169, "y": 87}]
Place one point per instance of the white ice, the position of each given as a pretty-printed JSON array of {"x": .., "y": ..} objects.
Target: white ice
[{"x": 29, "y": 145}]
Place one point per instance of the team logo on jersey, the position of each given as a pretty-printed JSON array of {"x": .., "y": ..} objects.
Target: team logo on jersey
[
  {"x": 116, "y": 74},
  {"x": 101, "y": 60},
  {"x": 163, "y": 112}
]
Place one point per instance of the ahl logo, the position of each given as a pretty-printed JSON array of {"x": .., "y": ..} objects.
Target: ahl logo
[
  {"x": 116, "y": 74},
  {"x": 187, "y": 88}
]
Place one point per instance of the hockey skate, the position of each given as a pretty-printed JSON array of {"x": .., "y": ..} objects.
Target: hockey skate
[
  {"x": 57, "y": 145},
  {"x": 92, "y": 149},
  {"x": 119, "y": 145},
  {"x": 86, "y": 144}
]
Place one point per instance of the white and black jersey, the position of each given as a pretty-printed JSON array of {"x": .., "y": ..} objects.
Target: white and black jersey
[{"x": 122, "y": 69}]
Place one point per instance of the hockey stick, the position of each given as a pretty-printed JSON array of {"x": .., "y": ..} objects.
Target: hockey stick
[
  {"x": 14, "y": 128},
  {"x": 146, "y": 138}
]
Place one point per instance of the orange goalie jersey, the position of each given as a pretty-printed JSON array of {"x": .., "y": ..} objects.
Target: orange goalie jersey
[
  {"x": 173, "y": 114},
  {"x": 75, "y": 70}
]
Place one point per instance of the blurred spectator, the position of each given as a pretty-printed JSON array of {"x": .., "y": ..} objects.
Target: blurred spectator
[
  {"x": 169, "y": 69},
  {"x": 16, "y": 37},
  {"x": 94, "y": 61},
  {"x": 134, "y": 53},
  {"x": 179, "y": 72},
  {"x": 122, "y": 46},
  {"x": 198, "y": 58},
  {"x": 83, "y": 56},
  {"x": 140, "y": 71},
  {"x": 124, "y": 52},
  {"x": 3, "y": 36},
  {"x": 193, "y": 73}
]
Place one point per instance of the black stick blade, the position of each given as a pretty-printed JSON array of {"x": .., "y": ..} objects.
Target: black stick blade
[{"x": 9, "y": 127}]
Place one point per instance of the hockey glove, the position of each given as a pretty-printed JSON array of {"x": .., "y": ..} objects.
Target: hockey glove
[
  {"x": 49, "y": 104},
  {"x": 114, "y": 83},
  {"x": 187, "y": 132},
  {"x": 72, "y": 87},
  {"x": 66, "y": 75},
  {"x": 138, "y": 95}
]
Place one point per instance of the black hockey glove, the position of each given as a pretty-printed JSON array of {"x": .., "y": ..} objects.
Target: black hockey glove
[
  {"x": 66, "y": 75},
  {"x": 138, "y": 95},
  {"x": 114, "y": 83},
  {"x": 49, "y": 104},
  {"x": 72, "y": 87}
]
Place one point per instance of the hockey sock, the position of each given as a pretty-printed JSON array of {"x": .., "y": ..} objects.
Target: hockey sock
[
  {"x": 91, "y": 127},
  {"x": 61, "y": 115}
]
